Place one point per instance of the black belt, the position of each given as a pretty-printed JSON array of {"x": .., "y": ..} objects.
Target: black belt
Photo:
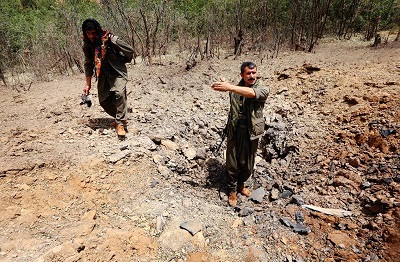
[{"x": 242, "y": 121}]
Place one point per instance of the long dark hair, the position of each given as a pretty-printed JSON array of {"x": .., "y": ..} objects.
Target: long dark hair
[{"x": 90, "y": 24}]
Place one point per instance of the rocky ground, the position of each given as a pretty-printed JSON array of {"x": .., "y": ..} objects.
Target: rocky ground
[{"x": 326, "y": 184}]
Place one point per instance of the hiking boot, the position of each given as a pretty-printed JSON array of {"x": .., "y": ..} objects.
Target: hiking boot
[
  {"x": 120, "y": 130},
  {"x": 114, "y": 124},
  {"x": 244, "y": 191},
  {"x": 232, "y": 200}
]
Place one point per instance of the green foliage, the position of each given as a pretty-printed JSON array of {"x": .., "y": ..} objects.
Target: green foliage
[
  {"x": 194, "y": 12},
  {"x": 23, "y": 22},
  {"x": 38, "y": 34},
  {"x": 34, "y": 30}
]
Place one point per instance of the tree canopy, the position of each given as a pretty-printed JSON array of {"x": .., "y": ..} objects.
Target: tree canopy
[{"x": 42, "y": 36}]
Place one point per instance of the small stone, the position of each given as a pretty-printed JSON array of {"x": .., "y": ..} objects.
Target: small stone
[
  {"x": 340, "y": 238},
  {"x": 297, "y": 199},
  {"x": 245, "y": 211},
  {"x": 123, "y": 147},
  {"x": 350, "y": 225},
  {"x": 275, "y": 235},
  {"x": 258, "y": 195},
  {"x": 156, "y": 140},
  {"x": 354, "y": 162},
  {"x": 274, "y": 194},
  {"x": 285, "y": 194},
  {"x": 190, "y": 153},
  {"x": 284, "y": 240},
  {"x": 201, "y": 153},
  {"x": 192, "y": 226},
  {"x": 365, "y": 184},
  {"x": 237, "y": 223},
  {"x": 164, "y": 171},
  {"x": 169, "y": 145},
  {"x": 301, "y": 229},
  {"x": 114, "y": 158},
  {"x": 160, "y": 223},
  {"x": 388, "y": 180},
  {"x": 287, "y": 222},
  {"x": 158, "y": 159},
  {"x": 154, "y": 183},
  {"x": 355, "y": 249},
  {"x": 299, "y": 217}
]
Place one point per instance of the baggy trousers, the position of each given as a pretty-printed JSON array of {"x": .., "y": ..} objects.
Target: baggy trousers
[
  {"x": 240, "y": 156},
  {"x": 112, "y": 96}
]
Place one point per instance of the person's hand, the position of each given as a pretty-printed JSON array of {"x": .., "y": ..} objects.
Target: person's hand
[
  {"x": 86, "y": 90},
  {"x": 113, "y": 38},
  {"x": 221, "y": 86}
]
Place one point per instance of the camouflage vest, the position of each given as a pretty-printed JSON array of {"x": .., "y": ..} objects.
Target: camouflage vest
[{"x": 246, "y": 111}]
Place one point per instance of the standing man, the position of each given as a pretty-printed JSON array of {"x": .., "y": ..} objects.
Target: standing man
[
  {"x": 244, "y": 128},
  {"x": 107, "y": 55}
]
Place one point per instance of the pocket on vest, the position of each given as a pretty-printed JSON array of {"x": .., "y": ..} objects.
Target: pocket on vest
[{"x": 258, "y": 128}]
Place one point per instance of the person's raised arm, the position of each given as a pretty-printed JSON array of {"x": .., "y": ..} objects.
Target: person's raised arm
[{"x": 224, "y": 86}]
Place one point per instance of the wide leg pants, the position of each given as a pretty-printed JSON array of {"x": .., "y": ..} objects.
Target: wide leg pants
[
  {"x": 240, "y": 157},
  {"x": 113, "y": 97}
]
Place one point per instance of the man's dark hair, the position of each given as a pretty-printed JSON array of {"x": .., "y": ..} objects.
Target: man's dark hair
[
  {"x": 90, "y": 24},
  {"x": 250, "y": 65}
]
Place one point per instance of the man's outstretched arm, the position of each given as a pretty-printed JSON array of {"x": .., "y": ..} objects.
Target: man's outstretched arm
[{"x": 224, "y": 86}]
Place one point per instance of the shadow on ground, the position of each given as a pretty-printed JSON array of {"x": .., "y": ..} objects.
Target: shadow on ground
[{"x": 100, "y": 123}]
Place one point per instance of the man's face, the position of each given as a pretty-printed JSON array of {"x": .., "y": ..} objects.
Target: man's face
[
  {"x": 92, "y": 35},
  {"x": 249, "y": 76}
]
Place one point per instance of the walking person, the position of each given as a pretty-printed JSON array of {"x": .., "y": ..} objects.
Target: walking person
[
  {"x": 105, "y": 57},
  {"x": 244, "y": 128}
]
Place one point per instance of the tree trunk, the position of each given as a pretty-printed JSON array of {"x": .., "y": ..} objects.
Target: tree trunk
[
  {"x": 147, "y": 33},
  {"x": 2, "y": 77},
  {"x": 398, "y": 36},
  {"x": 238, "y": 42},
  {"x": 319, "y": 15},
  {"x": 132, "y": 30}
]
